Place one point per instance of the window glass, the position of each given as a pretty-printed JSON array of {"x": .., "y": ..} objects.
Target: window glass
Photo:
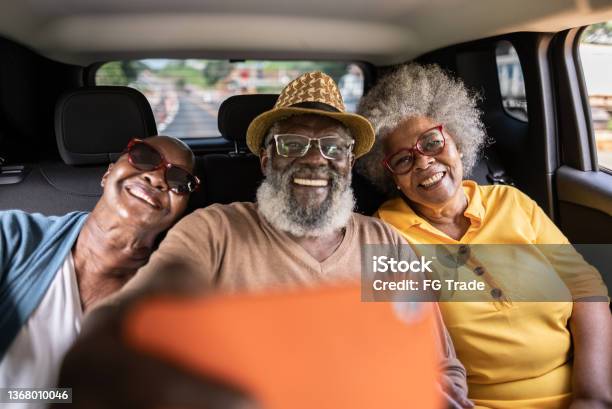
[
  {"x": 596, "y": 56},
  {"x": 511, "y": 82},
  {"x": 185, "y": 95}
]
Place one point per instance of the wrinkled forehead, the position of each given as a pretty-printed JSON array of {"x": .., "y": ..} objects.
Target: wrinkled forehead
[
  {"x": 175, "y": 151},
  {"x": 312, "y": 123}
]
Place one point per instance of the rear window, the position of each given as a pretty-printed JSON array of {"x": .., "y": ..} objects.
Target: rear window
[
  {"x": 511, "y": 81},
  {"x": 185, "y": 95}
]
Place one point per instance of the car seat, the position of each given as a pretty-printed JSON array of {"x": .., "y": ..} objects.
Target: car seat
[{"x": 92, "y": 126}]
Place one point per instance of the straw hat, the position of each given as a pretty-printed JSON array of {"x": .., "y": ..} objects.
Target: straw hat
[{"x": 311, "y": 93}]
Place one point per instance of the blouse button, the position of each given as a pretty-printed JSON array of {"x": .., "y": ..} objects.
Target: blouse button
[
  {"x": 496, "y": 293},
  {"x": 463, "y": 254},
  {"x": 479, "y": 271}
]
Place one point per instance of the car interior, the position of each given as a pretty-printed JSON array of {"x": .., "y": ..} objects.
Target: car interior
[
  {"x": 77, "y": 83},
  {"x": 59, "y": 129}
]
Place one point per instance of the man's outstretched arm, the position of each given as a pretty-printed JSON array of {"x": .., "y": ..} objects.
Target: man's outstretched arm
[{"x": 104, "y": 372}]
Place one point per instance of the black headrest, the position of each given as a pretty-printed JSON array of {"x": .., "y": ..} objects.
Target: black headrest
[
  {"x": 93, "y": 125},
  {"x": 237, "y": 112}
]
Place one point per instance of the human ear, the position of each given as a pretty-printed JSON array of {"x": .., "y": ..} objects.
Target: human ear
[
  {"x": 396, "y": 182},
  {"x": 264, "y": 158},
  {"x": 105, "y": 176}
]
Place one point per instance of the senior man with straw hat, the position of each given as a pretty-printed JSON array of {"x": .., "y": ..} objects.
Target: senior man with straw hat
[{"x": 302, "y": 230}]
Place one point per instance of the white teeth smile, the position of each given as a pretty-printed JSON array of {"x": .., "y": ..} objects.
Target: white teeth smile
[
  {"x": 432, "y": 180},
  {"x": 310, "y": 182},
  {"x": 141, "y": 195}
]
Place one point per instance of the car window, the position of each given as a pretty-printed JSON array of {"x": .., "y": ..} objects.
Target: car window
[
  {"x": 596, "y": 56},
  {"x": 511, "y": 82},
  {"x": 185, "y": 95}
]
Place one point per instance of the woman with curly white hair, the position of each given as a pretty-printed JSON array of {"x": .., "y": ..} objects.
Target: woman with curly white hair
[{"x": 517, "y": 354}]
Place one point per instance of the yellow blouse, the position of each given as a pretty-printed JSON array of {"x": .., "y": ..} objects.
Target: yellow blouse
[{"x": 517, "y": 354}]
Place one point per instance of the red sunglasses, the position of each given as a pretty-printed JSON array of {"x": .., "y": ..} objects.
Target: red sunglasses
[
  {"x": 429, "y": 143},
  {"x": 145, "y": 157}
]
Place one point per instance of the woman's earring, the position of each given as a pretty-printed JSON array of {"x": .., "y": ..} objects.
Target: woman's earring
[
  {"x": 461, "y": 155},
  {"x": 398, "y": 188}
]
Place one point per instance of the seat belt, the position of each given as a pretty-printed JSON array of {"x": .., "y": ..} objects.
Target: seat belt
[{"x": 497, "y": 175}]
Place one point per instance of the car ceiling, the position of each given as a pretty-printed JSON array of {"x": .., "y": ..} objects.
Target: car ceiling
[{"x": 381, "y": 32}]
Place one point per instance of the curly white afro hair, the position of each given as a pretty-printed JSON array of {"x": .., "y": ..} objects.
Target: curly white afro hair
[{"x": 415, "y": 90}]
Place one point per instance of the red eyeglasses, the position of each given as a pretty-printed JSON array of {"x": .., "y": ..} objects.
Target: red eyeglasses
[
  {"x": 145, "y": 157},
  {"x": 429, "y": 143}
]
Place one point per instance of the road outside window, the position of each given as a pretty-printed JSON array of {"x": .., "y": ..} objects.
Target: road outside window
[
  {"x": 185, "y": 95},
  {"x": 596, "y": 55}
]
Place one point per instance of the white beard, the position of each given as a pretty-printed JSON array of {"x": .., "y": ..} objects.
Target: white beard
[{"x": 280, "y": 210}]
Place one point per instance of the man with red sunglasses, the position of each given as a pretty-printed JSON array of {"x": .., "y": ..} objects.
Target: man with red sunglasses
[{"x": 54, "y": 269}]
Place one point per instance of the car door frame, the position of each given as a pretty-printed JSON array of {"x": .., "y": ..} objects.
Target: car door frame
[{"x": 583, "y": 188}]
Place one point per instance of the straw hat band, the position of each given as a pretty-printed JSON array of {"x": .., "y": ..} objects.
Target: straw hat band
[{"x": 321, "y": 106}]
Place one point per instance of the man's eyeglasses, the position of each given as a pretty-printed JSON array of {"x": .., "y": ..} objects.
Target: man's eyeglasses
[
  {"x": 145, "y": 157},
  {"x": 429, "y": 143},
  {"x": 295, "y": 146}
]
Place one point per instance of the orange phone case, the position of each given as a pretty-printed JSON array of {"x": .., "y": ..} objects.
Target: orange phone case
[{"x": 320, "y": 348}]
